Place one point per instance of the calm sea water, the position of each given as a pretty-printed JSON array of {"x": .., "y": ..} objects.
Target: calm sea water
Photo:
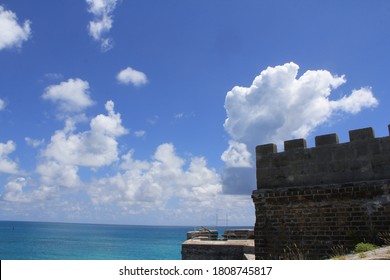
[{"x": 63, "y": 241}]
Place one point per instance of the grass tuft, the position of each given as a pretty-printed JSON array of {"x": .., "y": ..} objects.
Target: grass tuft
[
  {"x": 338, "y": 252},
  {"x": 294, "y": 253},
  {"x": 384, "y": 237},
  {"x": 364, "y": 247}
]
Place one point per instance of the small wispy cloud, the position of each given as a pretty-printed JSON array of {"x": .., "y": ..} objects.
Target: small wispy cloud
[
  {"x": 139, "y": 133},
  {"x": 2, "y": 104},
  {"x": 183, "y": 115},
  {"x": 102, "y": 21},
  {"x": 12, "y": 34},
  {"x": 34, "y": 142},
  {"x": 153, "y": 120},
  {"x": 179, "y": 116},
  {"x": 54, "y": 76},
  {"x": 132, "y": 76}
]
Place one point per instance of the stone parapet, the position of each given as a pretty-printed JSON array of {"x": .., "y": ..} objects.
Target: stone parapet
[{"x": 363, "y": 158}]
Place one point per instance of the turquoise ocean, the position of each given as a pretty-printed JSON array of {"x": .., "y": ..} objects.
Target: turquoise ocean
[{"x": 67, "y": 241}]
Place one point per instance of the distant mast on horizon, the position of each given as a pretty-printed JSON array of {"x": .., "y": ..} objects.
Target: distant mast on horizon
[{"x": 217, "y": 219}]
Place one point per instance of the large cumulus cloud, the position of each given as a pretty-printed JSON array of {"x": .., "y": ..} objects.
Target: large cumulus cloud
[{"x": 279, "y": 105}]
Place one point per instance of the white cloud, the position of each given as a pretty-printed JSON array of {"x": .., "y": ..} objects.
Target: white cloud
[
  {"x": 2, "y": 104},
  {"x": 279, "y": 106},
  {"x": 109, "y": 125},
  {"x": 170, "y": 189},
  {"x": 93, "y": 148},
  {"x": 237, "y": 155},
  {"x": 59, "y": 175},
  {"x": 15, "y": 192},
  {"x": 130, "y": 75},
  {"x": 98, "y": 28},
  {"x": 6, "y": 164},
  {"x": 362, "y": 98},
  {"x": 101, "y": 7},
  {"x": 12, "y": 34},
  {"x": 149, "y": 185},
  {"x": 72, "y": 95}
]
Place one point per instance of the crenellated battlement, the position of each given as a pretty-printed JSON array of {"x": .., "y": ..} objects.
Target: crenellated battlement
[{"x": 363, "y": 158}]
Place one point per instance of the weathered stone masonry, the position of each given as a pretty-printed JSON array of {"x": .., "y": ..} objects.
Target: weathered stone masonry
[{"x": 309, "y": 200}]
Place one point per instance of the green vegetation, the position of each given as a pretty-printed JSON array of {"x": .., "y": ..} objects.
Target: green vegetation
[
  {"x": 364, "y": 247},
  {"x": 339, "y": 252}
]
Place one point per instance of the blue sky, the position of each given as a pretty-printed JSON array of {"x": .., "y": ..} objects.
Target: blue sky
[{"x": 148, "y": 112}]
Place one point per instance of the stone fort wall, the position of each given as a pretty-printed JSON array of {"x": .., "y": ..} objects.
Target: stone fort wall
[{"x": 310, "y": 200}]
